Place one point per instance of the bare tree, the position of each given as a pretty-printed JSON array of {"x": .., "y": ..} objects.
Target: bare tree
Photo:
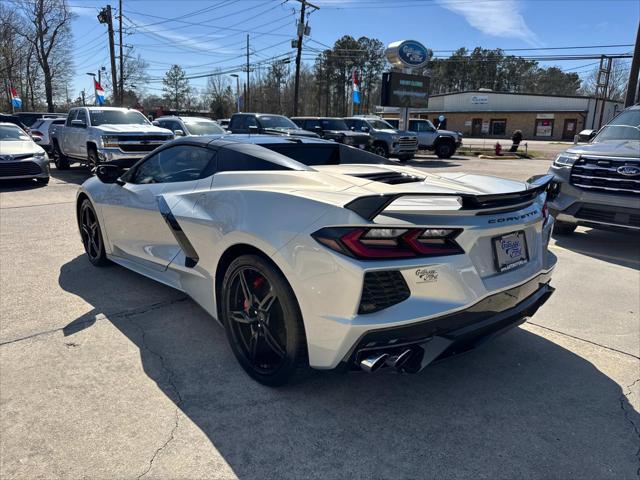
[
  {"x": 48, "y": 30},
  {"x": 617, "y": 81}
]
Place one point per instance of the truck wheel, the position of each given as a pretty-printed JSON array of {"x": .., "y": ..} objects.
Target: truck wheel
[
  {"x": 61, "y": 161},
  {"x": 92, "y": 156},
  {"x": 445, "y": 149},
  {"x": 381, "y": 149},
  {"x": 564, "y": 228}
]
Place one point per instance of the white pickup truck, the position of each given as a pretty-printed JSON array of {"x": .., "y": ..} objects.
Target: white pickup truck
[{"x": 94, "y": 135}]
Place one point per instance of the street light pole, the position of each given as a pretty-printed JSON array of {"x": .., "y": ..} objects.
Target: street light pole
[{"x": 237, "y": 91}]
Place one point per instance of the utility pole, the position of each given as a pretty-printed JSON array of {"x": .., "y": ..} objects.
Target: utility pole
[
  {"x": 105, "y": 17},
  {"x": 121, "y": 85},
  {"x": 301, "y": 33},
  {"x": 83, "y": 99},
  {"x": 632, "y": 87},
  {"x": 247, "y": 104},
  {"x": 602, "y": 86}
]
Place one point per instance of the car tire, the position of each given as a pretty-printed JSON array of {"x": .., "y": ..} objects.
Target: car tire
[
  {"x": 263, "y": 322},
  {"x": 61, "y": 161},
  {"x": 42, "y": 181},
  {"x": 564, "y": 228},
  {"x": 445, "y": 149},
  {"x": 92, "y": 157},
  {"x": 381, "y": 149},
  {"x": 91, "y": 235}
]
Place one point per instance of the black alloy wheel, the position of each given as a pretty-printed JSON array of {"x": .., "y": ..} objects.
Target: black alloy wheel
[
  {"x": 91, "y": 235},
  {"x": 381, "y": 149},
  {"x": 263, "y": 321}
]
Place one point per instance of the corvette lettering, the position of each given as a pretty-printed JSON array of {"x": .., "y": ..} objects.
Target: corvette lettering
[{"x": 514, "y": 218}]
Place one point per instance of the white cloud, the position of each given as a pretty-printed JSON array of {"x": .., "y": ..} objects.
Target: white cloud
[{"x": 501, "y": 18}]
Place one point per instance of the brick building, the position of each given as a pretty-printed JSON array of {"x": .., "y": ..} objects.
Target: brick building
[{"x": 497, "y": 114}]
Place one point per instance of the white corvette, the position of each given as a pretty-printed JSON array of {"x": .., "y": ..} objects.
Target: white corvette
[{"x": 312, "y": 253}]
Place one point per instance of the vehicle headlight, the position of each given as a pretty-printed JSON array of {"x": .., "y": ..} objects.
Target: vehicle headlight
[
  {"x": 395, "y": 138},
  {"x": 109, "y": 141},
  {"x": 565, "y": 160},
  {"x": 40, "y": 156}
]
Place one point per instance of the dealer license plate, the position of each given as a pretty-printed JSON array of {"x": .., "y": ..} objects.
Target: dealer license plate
[{"x": 510, "y": 251}]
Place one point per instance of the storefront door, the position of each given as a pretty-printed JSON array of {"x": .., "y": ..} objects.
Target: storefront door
[
  {"x": 569, "y": 130},
  {"x": 476, "y": 127}
]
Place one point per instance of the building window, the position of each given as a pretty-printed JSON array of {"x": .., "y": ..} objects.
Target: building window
[
  {"x": 498, "y": 127},
  {"x": 544, "y": 127}
]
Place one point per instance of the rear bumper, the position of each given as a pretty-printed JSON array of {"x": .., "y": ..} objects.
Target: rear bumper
[{"x": 438, "y": 338}]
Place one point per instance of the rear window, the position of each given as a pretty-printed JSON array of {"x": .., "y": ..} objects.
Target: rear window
[{"x": 326, "y": 154}]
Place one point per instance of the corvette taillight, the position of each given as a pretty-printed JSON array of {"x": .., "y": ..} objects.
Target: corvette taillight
[{"x": 385, "y": 243}]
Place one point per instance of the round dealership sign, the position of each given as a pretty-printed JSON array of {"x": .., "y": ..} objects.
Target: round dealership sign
[{"x": 407, "y": 54}]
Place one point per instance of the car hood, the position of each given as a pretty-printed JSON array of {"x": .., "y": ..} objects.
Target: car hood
[
  {"x": 19, "y": 147},
  {"x": 448, "y": 132},
  {"x": 609, "y": 148},
  {"x": 133, "y": 128},
  {"x": 292, "y": 131}
]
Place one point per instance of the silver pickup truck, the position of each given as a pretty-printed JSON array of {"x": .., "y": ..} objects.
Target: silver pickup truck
[{"x": 94, "y": 135}]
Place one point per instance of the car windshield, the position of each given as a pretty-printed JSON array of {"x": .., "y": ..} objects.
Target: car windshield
[
  {"x": 380, "y": 125},
  {"x": 276, "y": 121},
  {"x": 333, "y": 124},
  {"x": 625, "y": 126},
  {"x": 117, "y": 117},
  {"x": 12, "y": 133},
  {"x": 204, "y": 127}
]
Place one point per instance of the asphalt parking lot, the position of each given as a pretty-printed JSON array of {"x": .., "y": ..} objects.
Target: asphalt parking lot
[{"x": 105, "y": 374}]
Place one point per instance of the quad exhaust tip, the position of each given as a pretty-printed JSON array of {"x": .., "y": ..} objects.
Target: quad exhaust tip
[{"x": 374, "y": 362}]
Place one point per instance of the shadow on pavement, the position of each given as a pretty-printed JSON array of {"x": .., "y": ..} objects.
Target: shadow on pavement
[
  {"x": 521, "y": 407},
  {"x": 613, "y": 247},
  {"x": 19, "y": 185},
  {"x": 76, "y": 174}
]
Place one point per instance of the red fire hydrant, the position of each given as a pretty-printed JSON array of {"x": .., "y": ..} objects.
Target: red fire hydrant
[{"x": 498, "y": 148}]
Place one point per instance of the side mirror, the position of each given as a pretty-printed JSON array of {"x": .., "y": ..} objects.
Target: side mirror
[
  {"x": 353, "y": 129},
  {"x": 78, "y": 123},
  {"x": 36, "y": 138},
  {"x": 178, "y": 133},
  {"x": 317, "y": 128},
  {"x": 253, "y": 129},
  {"x": 109, "y": 173},
  {"x": 156, "y": 123},
  {"x": 365, "y": 129}
]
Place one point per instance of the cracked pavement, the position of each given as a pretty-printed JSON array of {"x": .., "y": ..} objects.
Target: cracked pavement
[{"x": 105, "y": 374}]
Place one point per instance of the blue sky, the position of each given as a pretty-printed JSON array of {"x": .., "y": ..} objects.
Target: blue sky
[{"x": 205, "y": 35}]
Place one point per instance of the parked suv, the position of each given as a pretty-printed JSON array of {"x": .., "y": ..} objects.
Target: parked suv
[
  {"x": 41, "y": 132},
  {"x": 181, "y": 126},
  {"x": 598, "y": 184},
  {"x": 443, "y": 142},
  {"x": 266, "y": 123},
  {"x": 387, "y": 141},
  {"x": 334, "y": 129},
  {"x": 29, "y": 118},
  {"x": 96, "y": 135}
]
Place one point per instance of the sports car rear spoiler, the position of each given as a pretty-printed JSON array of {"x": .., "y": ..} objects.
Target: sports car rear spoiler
[{"x": 371, "y": 206}]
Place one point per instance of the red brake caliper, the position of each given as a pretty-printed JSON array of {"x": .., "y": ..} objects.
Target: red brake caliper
[{"x": 257, "y": 283}]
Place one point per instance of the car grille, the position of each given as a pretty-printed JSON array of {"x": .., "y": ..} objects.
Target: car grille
[
  {"x": 620, "y": 217},
  {"x": 19, "y": 169},
  {"x": 140, "y": 138},
  {"x": 141, "y": 143},
  {"x": 601, "y": 175},
  {"x": 381, "y": 290},
  {"x": 408, "y": 142}
]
